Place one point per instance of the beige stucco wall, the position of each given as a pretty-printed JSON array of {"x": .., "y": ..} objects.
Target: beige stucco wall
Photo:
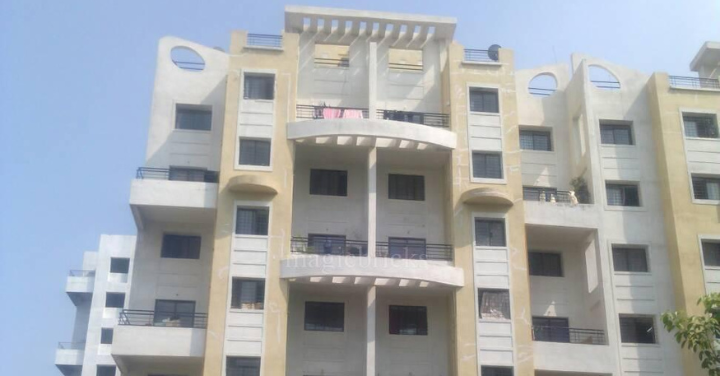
[
  {"x": 284, "y": 63},
  {"x": 460, "y": 75},
  {"x": 685, "y": 221}
]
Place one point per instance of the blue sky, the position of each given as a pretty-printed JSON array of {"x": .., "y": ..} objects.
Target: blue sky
[{"x": 75, "y": 88}]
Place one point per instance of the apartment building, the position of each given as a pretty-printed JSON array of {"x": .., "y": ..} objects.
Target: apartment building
[{"x": 363, "y": 195}]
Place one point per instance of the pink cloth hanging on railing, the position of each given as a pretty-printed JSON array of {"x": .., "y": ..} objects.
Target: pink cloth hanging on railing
[
  {"x": 331, "y": 113},
  {"x": 353, "y": 114}
]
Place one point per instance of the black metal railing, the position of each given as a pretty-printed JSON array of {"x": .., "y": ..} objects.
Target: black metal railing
[
  {"x": 606, "y": 84},
  {"x": 82, "y": 273},
  {"x": 441, "y": 252},
  {"x": 190, "y": 65},
  {"x": 139, "y": 317},
  {"x": 71, "y": 345},
  {"x": 425, "y": 118},
  {"x": 304, "y": 111},
  {"x": 264, "y": 40},
  {"x": 694, "y": 82},
  {"x": 406, "y": 67},
  {"x": 542, "y": 92},
  {"x": 332, "y": 63},
  {"x": 569, "y": 335},
  {"x": 479, "y": 56},
  {"x": 177, "y": 174},
  {"x": 329, "y": 246},
  {"x": 552, "y": 195}
]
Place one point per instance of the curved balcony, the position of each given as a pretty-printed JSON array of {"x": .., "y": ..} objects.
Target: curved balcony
[{"x": 355, "y": 127}]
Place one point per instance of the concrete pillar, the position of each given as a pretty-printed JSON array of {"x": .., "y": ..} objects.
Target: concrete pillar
[
  {"x": 370, "y": 319},
  {"x": 372, "y": 201},
  {"x": 372, "y": 80}
]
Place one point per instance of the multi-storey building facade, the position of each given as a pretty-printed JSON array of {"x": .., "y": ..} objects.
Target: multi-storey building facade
[{"x": 362, "y": 195}]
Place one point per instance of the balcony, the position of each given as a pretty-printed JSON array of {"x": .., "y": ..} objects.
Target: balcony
[
  {"x": 300, "y": 245},
  {"x": 69, "y": 357},
  {"x": 80, "y": 285},
  {"x": 173, "y": 194},
  {"x": 552, "y": 207},
  {"x": 150, "y": 340},
  {"x": 568, "y": 335},
  {"x": 694, "y": 83},
  {"x": 437, "y": 252},
  {"x": 423, "y": 118},
  {"x": 573, "y": 358}
]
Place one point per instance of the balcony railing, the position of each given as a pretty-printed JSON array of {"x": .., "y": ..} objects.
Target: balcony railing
[
  {"x": 425, "y": 118},
  {"x": 138, "y": 317},
  {"x": 305, "y": 111},
  {"x": 441, "y": 252},
  {"x": 406, "y": 67},
  {"x": 327, "y": 246},
  {"x": 694, "y": 82},
  {"x": 479, "y": 56},
  {"x": 264, "y": 40},
  {"x": 606, "y": 84},
  {"x": 332, "y": 63},
  {"x": 177, "y": 174},
  {"x": 569, "y": 335},
  {"x": 82, "y": 273},
  {"x": 71, "y": 345},
  {"x": 541, "y": 92}
]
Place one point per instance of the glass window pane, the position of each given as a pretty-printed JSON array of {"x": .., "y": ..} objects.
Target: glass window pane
[
  {"x": 711, "y": 253},
  {"x": 193, "y": 118},
  {"x": 258, "y": 86},
  {"x": 254, "y": 152},
  {"x": 494, "y": 304},
  {"x": 251, "y": 221},
  {"x": 324, "y": 316},
  {"x": 242, "y": 366}
]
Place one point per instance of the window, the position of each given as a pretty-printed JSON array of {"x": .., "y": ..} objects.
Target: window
[
  {"x": 242, "y": 366},
  {"x": 551, "y": 329},
  {"x": 540, "y": 193},
  {"x": 327, "y": 244},
  {"x": 105, "y": 371},
  {"x": 324, "y": 316},
  {"x": 259, "y": 86},
  {"x": 181, "y": 246},
  {"x": 616, "y": 134},
  {"x": 700, "y": 125},
  {"x": 545, "y": 264},
  {"x": 328, "y": 182},
  {"x": 622, "y": 194},
  {"x": 254, "y": 152},
  {"x": 484, "y": 100},
  {"x": 407, "y": 248},
  {"x": 706, "y": 188},
  {"x": 189, "y": 174},
  {"x": 248, "y": 293},
  {"x": 496, "y": 371},
  {"x": 494, "y": 304},
  {"x": 406, "y": 187},
  {"x": 175, "y": 313},
  {"x": 252, "y": 221},
  {"x": 487, "y": 165},
  {"x": 711, "y": 252},
  {"x": 490, "y": 232},
  {"x": 114, "y": 300},
  {"x": 535, "y": 140},
  {"x": 196, "y": 118},
  {"x": 408, "y": 320},
  {"x": 626, "y": 259},
  {"x": 119, "y": 265},
  {"x": 106, "y": 336},
  {"x": 637, "y": 329}
]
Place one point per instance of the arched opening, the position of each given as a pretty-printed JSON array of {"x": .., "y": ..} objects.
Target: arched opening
[
  {"x": 603, "y": 79},
  {"x": 543, "y": 85},
  {"x": 187, "y": 59}
]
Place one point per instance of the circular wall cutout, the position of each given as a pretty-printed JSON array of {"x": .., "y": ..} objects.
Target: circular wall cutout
[
  {"x": 187, "y": 59},
  {"x": 603, "y": 79},
  {"x": 543, "y": 85}
]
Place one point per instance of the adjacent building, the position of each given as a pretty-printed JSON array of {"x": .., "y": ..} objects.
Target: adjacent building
[{"x": 363, "y": 195}]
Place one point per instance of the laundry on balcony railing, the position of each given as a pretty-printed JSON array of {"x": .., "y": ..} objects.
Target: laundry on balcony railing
[{"x": 329, "y": 112}]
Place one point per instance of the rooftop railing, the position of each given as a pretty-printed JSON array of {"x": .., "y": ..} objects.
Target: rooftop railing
[
  {"x": 304, "y": 111},
  {"x": 328, "y": 246},
  {"x": 441, "y": 252},
  {"x": 177, "y": 174},
  {"x": 430, "y": 119},
  {"x": 71, "y": 345},
  {"x": 138, "y": 317},
  {"x": 479, "y": 56},
  {"x": 694, "y": 82},
  {"x": 264, "y": 40},
  {"x": 569, "y": 335},
  {"x": 82, "y": 273}
]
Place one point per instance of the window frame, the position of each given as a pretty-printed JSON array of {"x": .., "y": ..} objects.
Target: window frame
[
  {"x": 252, "y": 166},
  {"x": 699, "y": 114},
  {"x": 105, "y": 368},
  {"x": 534, "y": 133},
  {"x": 706, "y": 178},
  {"x": 633, "y": 248},
  {"x": 485, "y": 370},
  {"x": 481, "y": 291},
  {"x": 123, "y": 260},
  {"x": 490, "y": 219},
  {"x": 104, "y": 336},
  {"x": 187, "y": 255},
  {"x": 623, "y": 185},
  {"x": 256, "y": 360},
  {"x": 236, "y": 295},
  {"x": 189, "y": 316},
  {"x": 342, "y": 189},
  {"x": 410, "y": 248},
  {"x": 634, "y": 317},
  {"x": 195, "y": 108},
  {"x": 617, "y": 125},
  {"x": 417, "y": 312},
  {"x": 486, "y": 153},
  {"x": 256, "y": 209},
  {"x": 115, "y": 295},
  {"x": 484, "y": 89},
  {"x": 413, "y": 191},
  {"x": 337, "y": 241},
  {"x": 545, "y": 255},
  {"x": 254, "y": 75},
  {"x": 709, "y": 240},
  {"x": 327, "y": 326},
  {"x": 557, "y": 334}
]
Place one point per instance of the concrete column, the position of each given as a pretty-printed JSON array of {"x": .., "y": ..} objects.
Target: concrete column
[
  {"x": 370, "y": 319},
  {"x": 372, "y": 80},
  {"x": 372, "y": 201}
]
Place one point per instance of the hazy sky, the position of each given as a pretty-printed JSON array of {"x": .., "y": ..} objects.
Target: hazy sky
[{"x": 76, "y": 80}]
